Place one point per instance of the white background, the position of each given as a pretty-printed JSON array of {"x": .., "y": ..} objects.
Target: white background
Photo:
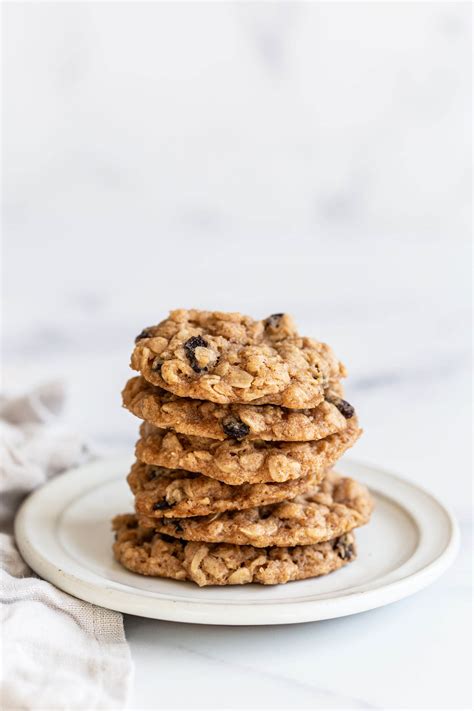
[{"x": 259, "y": 157}]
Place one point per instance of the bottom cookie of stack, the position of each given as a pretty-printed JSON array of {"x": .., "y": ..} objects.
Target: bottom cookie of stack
[{"x": 144, "y": 551}]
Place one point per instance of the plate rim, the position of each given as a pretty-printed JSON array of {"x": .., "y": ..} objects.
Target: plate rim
[{"x": 204, "y": 612}]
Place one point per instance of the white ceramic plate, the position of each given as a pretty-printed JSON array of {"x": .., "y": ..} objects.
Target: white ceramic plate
[{"x": 63, "y": 531}]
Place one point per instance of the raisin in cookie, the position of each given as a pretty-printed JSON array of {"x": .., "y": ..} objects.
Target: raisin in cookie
[
  {"x": 335, "y": 507},
  {"x": 209, "y": 419},
  {"x": 174, "y": 493},
  {"x": 247, "y": 462},
  {"x": 230, "y": 358},
  {"x": 146, "y": 552}
]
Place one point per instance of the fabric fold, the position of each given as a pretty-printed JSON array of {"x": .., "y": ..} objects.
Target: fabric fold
[{"x": 58, "y": 652}]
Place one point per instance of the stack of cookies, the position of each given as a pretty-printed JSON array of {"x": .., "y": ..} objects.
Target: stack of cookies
[{"x": 243, "y": 421}]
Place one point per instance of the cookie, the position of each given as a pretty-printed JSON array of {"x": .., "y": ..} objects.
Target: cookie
[
  {"x": 145, "y": 552},
  {"x": 174, "y": 493},
  {"x": 246, "y": 462},
  {"x": 208, "y": 419},
  {"x": 230, "y": 358},
  {"x": 335, "y": 507}
]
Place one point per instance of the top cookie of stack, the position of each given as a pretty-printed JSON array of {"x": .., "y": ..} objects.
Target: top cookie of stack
[{"x": 230, "y": 358}]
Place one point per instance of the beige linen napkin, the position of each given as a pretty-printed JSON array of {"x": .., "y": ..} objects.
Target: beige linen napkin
[{"x": 58, "y": 652}]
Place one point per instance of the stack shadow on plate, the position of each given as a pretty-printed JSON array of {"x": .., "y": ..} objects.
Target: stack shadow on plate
[{"x": 243, "y": 421}]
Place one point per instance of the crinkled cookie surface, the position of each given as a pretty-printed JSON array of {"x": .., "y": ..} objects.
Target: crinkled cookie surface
[
  {"x": 230, "y": 358},
  {"x": 215, "y": 421},
  {"x": 174, "y": 493},
  {"x": 331, "y": 509},
  {"x": 248, "y": 461}
]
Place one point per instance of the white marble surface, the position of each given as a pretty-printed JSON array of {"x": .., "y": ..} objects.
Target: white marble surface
[{"x": 258, "y": 157}]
